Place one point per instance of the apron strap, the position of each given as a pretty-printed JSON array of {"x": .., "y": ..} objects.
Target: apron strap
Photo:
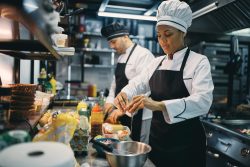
[
  {"x": 131, "y": 52},
  {"x": 185, "y": 59}
]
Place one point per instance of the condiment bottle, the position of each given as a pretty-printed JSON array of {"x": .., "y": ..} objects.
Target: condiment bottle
[
  {"x": 53, "y": 85},
  {"x": 96, "y": 120}
]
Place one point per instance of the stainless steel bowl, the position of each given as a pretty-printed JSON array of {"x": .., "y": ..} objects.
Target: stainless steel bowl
[{"x": 128, "y": 154}]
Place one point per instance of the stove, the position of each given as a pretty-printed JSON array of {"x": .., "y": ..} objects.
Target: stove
[{"x": 227, "y": 143}]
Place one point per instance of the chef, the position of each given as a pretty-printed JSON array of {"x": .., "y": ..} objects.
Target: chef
[
  {"x": 131, "y": 61},
  {"x": 180, "y": 86}
]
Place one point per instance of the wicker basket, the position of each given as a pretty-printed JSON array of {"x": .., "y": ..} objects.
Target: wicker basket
[{"x": 23, "y": 89}]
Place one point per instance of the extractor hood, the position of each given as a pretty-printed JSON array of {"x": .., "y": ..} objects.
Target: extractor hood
[
  {"x": 230, "y": 15},
  {"x": 210, "y": 16}
]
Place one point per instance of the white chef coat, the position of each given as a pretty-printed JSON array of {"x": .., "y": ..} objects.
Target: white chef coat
[
  {"x": 140, "y": 58},
  {"x": 197, "y": 78}
]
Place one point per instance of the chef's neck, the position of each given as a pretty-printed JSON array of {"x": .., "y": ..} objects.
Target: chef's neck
[
  {"x": 128, "y": 43},
  {"x": 178, "y": 49}
]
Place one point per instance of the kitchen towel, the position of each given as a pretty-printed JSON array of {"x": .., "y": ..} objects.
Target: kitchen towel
[{"x": 37, "y": 154}]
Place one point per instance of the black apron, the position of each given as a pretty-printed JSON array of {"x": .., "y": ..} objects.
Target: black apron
[
  {"x": 121, "y": 81},
  {"x": 181, "y": 144}
]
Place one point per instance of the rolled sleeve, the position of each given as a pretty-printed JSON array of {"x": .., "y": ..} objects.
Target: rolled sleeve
[
  {"x": 174, "y": 108},
  {"x": 199, "y": 101}
]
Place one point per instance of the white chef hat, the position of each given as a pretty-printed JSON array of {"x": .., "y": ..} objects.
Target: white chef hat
[{"x": 174, "y": 13}]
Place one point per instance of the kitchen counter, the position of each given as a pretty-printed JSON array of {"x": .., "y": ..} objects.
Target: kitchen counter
[{"x": 93, "y": 160}]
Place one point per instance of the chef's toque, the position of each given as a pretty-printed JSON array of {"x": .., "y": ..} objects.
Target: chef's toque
[
  {"x": 114, "y": 30},
  {"x": 174, "y": 13}
]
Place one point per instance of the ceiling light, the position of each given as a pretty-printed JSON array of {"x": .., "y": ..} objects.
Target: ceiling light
[
  {"x": 205, "y": 10},
  {"x": 242, "y": 32},
  {"x": 126, "y": 8},
  {"x": 127, "y": 16}
]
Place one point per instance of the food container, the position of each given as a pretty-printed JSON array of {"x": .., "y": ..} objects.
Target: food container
[
  {"x": 116, "y": 131},
  {"x": 79, "y": 142},
  {"x": 106, "y": 141},
  {"x": 59, "y": 39}
]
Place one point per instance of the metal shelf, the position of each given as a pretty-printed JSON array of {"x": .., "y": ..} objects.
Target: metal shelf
[
  {"x": 92, "y": 34},
  {"x": 93, "y": 66},
  {"x": 19, "y": 49},
  {"x": 105, "y": 50}
]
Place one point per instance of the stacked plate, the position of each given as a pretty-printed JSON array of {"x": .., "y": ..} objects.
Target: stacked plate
[{"x": 22, "y": 101}]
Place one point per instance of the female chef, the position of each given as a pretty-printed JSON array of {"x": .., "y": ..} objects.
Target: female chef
[{"x": 181, "y": 89}]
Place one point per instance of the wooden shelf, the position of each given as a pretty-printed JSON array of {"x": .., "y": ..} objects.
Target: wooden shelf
[{"x": 31, "y": 122}]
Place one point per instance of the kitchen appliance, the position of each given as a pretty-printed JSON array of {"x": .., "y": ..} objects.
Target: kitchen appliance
[{"x": 227, "y": 146}]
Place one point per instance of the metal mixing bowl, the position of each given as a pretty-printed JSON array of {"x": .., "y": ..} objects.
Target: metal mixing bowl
[{"x": 128, "y": 154}]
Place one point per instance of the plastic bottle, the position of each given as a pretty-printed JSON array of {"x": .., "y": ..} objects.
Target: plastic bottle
[
  {"x": 48, "y": 87},
  {"x": 42, "y": 80},
  {"x": 101, "y": 99},
  {"x": 92, "y": 90},
  {"x": 82, "y": 108},
  {"x": 79, "y": 142},
  {"x": 43, "y": 73},
  {"x": 96, "y": 120},
  {"x": 53, "y": 85},
  {"x": 94, "y": 87}
]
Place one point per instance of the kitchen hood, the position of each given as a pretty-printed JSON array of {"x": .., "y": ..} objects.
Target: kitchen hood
[
  {"x": 229, "y": 16},
  {"x": 210, "y": 16}
]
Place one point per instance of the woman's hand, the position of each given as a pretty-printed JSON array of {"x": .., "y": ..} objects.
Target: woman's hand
[
  {"x": 108, "y": 107},
  {"x": 121, "y": 101},
  {"x": 114, "y": 116},
  {"x": 141, "y": 101}
]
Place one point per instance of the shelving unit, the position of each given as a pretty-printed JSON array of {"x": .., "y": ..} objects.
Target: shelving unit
[
  {"x": 94, "y": 64},
  {"x": 31, "y": 14},
  {"x": 36, "y": 23},
  {"x": 219, "y": 55},
  {"x": 39, "y": 28}
]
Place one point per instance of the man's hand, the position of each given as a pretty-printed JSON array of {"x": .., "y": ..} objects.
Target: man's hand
[
  {"x": 121, "y": 101},
  {"x": 108, "y": 107},
  {"x": 114, "y": 116}
]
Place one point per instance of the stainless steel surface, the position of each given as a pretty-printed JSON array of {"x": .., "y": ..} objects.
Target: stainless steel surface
[
  {"x": 226, "y": 145},
  {"x": 233, "y": 121},
  {"x": 230, "y": 15},
  {"x": 136, "y": 159}
]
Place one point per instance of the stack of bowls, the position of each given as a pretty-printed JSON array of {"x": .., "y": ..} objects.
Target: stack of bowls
[{"x": 22, "y": 101}]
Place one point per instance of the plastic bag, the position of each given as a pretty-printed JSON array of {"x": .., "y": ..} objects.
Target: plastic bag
[{"x": 61, "y": 129}]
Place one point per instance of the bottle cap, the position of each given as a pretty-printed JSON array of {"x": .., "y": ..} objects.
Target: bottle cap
[{"x": 96, "y": 108}]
